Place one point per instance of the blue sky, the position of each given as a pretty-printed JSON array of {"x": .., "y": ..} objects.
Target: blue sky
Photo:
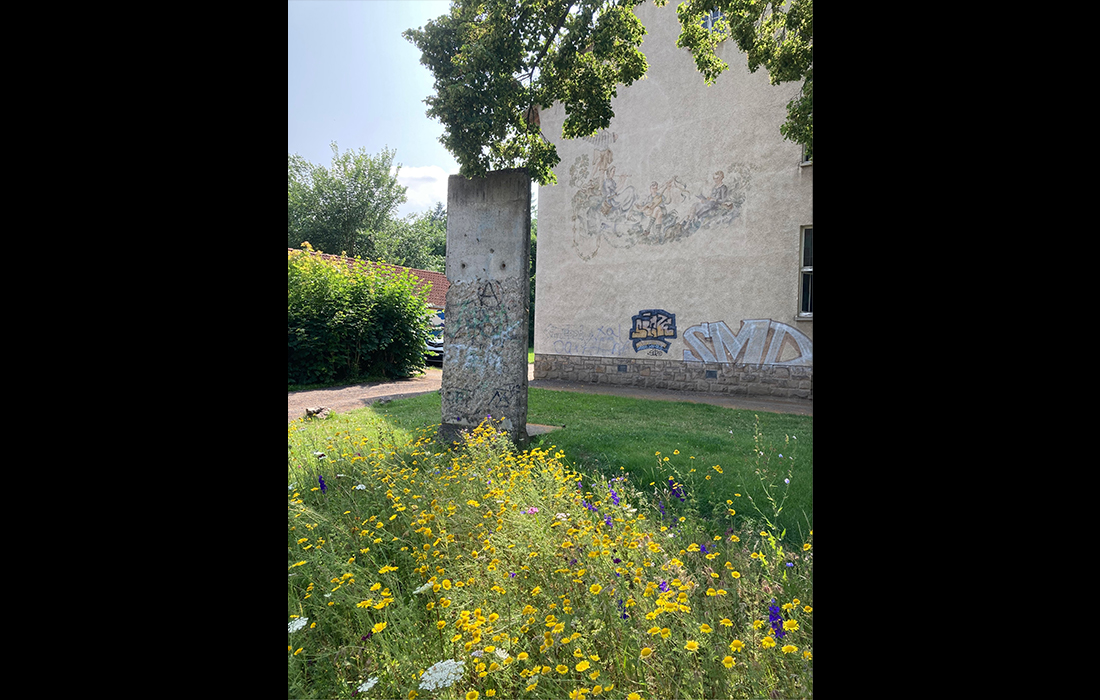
[{"x": 353, "y": 79}]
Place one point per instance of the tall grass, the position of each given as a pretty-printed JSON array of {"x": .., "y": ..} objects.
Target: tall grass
[{"x": 528, "y": 576}]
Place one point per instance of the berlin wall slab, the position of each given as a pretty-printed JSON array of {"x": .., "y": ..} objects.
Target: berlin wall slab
[{"x": 485, "y": 336}]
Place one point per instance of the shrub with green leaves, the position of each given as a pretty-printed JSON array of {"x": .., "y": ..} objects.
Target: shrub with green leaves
[{"x": 346, "y": 322}]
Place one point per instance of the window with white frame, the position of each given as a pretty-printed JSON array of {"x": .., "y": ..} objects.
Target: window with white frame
[
  {"x": 710, "y": 19},
  {"x": 806, "y": 281}
]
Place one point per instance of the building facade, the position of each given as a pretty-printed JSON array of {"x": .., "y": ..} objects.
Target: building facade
[{"x": 676, "y": 249}]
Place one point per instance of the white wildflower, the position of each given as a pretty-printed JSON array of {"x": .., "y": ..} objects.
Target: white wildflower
[
  {"x": 319, "y": 455},
  {"x": 501, "y": 653},
  {"x": 297, "y": 624},
  {"x": 292, "y": 486},
  {"x": 426, "y": 587},
  {"x": 562, "y": 516},
  {"x": 442, "y": 675},
  {"x": 360, "y": 487},
  {"x": 368, "y": 685}
]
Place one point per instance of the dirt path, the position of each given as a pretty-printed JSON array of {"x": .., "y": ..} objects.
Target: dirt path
[{"x": 349, "y": 398}]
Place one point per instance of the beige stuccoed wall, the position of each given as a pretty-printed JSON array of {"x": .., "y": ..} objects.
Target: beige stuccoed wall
[{"x": 600, "y": 264}]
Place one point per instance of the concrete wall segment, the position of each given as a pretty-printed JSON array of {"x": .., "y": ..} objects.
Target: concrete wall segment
[{"x": 485, "y": 336}]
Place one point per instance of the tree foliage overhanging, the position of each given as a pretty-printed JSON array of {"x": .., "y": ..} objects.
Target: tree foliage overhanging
[
  {"x": 496, "y": 62},
  {"x": 776, "y": 36}
]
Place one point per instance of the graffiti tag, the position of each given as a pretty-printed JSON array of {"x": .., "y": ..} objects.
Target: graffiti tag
[
  {"x": 650, "y": 328},
  {"x": 759, "y": 341}
]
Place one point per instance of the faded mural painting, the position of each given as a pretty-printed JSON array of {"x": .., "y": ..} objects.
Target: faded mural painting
[
  {"x": 657, "y": 210},
  {"x": 759, "y": 341}
]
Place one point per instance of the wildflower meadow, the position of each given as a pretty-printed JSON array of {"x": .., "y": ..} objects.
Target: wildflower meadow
[{"x": 417, "y": 570}]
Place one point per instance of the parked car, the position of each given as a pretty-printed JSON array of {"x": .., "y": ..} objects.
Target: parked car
[{"x": 433, "y": 349}]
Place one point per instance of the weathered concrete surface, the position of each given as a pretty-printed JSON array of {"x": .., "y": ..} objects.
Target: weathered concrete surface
[{"x": 485, "y": 337}]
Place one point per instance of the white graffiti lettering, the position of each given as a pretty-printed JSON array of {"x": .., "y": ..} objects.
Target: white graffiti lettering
[{"x": 759, "y": 341}]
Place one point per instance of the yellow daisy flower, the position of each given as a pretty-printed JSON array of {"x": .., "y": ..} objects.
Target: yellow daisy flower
[
  {"x": 692, "y": 645},
  {"x": 646, "y": 652},
  {"x": 728, "y": 662}
]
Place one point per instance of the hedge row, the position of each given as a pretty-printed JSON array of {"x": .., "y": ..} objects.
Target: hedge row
[{"x": 349, "y": 322}]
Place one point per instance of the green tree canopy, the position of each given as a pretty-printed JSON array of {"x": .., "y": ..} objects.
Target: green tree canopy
[
  {"x": 337, "y": 208},
  {"x": 418, "y": 241},
  {"x": 496, "y": 62},
  {"x": 776, "y": 35}
]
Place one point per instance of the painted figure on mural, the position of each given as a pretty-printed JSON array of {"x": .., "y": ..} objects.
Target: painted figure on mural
[
  {"x": 717, "y": 199},
  {"x": 613, "y": 199},
  {"x": 654, "y": 206}
]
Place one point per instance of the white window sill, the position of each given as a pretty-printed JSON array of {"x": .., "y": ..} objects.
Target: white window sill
[{"x": 804, "y": 317}]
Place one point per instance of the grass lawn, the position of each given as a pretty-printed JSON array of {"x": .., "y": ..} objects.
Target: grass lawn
[{"x": 714, "y": 451}]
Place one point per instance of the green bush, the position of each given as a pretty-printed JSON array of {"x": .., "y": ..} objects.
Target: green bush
[{"x": 346, "y": 322}]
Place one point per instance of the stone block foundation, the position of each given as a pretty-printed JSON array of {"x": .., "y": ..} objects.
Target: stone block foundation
[{"x": 776, "y": 381}]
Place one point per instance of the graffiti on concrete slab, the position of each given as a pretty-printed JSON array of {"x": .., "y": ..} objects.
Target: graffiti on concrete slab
[
  {"x": 505, "y": 396},
  {"x": 603, "y": 341},
  {"x": 651, "y": 328},
  {"x": 758, "y": 341},
  {"x": 658, "y": 209},
  {"x": 489, "y": 293}
]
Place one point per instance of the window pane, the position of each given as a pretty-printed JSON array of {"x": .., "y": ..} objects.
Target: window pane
[
  {"x": 807, "y": 292},
  {"x": 808, "y": 248}
]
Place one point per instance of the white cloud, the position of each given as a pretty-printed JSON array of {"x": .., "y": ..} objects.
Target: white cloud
[{"x": 426, "y": 186}]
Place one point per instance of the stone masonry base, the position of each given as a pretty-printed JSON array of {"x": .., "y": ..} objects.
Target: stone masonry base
[{"x": 779, "y": 381}]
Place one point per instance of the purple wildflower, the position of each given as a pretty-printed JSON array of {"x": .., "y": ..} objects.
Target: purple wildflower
[
  {"x": 614, "y": 496},
  {"x": 775, "y": 617},
  {"x": 607, "y": 519},
  {"x": 323, "y": 487},
  {"x": 675, "y": 489},
  {"x": 664, "y": 586},
  {"x": 703, "y": 548}
]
